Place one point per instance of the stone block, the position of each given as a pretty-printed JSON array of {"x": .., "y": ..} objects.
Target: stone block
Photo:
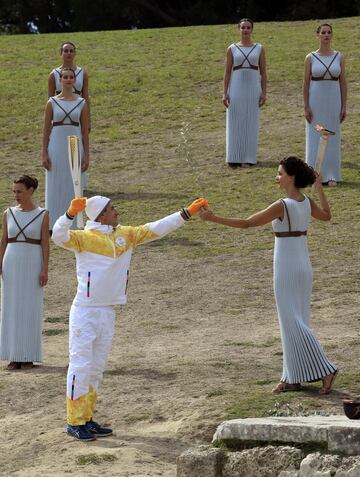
[
  {"x": 262, "y": 461},
  {"x": 202, "y": 461},
  {"x": 318, "y": 465},
  {"x": 344, "y": 440},
  {"x": 335, "y": 433}
]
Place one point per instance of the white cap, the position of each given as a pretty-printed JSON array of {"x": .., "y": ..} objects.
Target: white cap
[{"x": 95, "y": 205}]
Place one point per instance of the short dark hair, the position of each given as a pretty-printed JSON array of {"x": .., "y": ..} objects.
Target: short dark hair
[
  {"x": 246, "y": 20},
  {"x": 304, "y": 174},
  {"x": 67, "y": 43},
  {"x": 322, "y": 25},
  {"x": 28, "y": 181}
]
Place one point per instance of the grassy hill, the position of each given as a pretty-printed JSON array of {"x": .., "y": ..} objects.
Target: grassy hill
[
  {"x": 145, "y": 84},
  {"x": 146, "y": 87}
]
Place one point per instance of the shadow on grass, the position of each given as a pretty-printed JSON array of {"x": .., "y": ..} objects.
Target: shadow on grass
[{"x": 335, "y": 395}]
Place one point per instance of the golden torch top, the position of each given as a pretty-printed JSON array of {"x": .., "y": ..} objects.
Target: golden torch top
[{"x": 324, "y": 132}]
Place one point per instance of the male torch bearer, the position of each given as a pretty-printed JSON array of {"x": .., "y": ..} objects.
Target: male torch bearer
[
  {"x": 75, "y": 168},
  {"x": 323, "y": 141}
]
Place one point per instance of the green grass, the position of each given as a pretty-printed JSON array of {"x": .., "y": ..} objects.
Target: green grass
[
  {"x": 56, "y": 319},
  {"x": 54, "y": 332},
  {"x": 94, "y": 459},
  {"x": 144, "y": 85}
]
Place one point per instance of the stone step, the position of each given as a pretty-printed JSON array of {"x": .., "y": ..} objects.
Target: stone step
[{"x": 334, "y": 433}]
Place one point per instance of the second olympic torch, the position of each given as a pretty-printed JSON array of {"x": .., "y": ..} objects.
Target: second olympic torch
[
  {"x": 74, "y": 154},
  {"x": 323, "y": 141}
]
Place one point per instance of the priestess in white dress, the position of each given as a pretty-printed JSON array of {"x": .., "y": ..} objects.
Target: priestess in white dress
[
  {"x": 303, "y": 358},
  {"x": 325, "y": 94},
  {"x": 65, "y": 114},
  {"x": 244, "y": 94}
]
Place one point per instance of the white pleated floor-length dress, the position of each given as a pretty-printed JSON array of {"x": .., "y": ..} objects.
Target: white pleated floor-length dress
[
  {"x": 79, "y": 80},
  {"x": 325, "y": 104},
  {"x": 21, "y": 293},
  {"x": 59, "y": 189},
  {"x": 242, "y": 115},
  {"x": 303, "y": 358}
]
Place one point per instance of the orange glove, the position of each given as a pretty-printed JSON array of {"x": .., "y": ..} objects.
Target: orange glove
[
  {"x": 76, "y": 206},
  {"x": 196, "y": 206},
  {"x": 193, "y": 208}
]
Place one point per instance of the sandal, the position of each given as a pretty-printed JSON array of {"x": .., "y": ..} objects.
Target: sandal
[
  {"x": 13, "y": 365},
  {"x": 328, "y": 382},
  {"x": 332, "y": 183},
  {"x": 286, "y": 387}
]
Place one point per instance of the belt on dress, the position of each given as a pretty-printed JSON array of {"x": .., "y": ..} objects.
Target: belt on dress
[
  {"x": 27, "y": 240},
  {"x": 317, "y": 78},
  {"x": 295, "y": 233},
  {"x": 251, "y": 67},
  {"x": 61, "y": 123}
]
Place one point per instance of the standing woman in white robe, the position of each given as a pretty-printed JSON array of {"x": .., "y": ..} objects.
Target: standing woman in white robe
[
  {"x": 303, "y": 358},
  {"x": 325, "y": 93},
  {"x": 244, "y": 94},
  {"x": 65, "y": 115},
  {"x": 24, "y": 259},
  {"x": 81, "y": 85}
]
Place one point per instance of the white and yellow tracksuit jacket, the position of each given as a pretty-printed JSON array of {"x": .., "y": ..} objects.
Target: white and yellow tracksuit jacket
[{"x": 103, "y": 255}]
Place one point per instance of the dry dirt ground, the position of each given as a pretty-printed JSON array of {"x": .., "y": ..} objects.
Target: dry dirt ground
[
  {"x": 185, "y": 343},
  {"x": 198, "y": 336}
]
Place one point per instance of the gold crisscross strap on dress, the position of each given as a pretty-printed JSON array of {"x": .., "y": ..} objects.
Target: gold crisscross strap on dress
[
  {"x": 21, "y": 230},
  {"x": 290, "y": 233},
  {"x": 249, "y": 66},
  {"x": 67, "y": 115},
  {"x": 327, "y": 70}
]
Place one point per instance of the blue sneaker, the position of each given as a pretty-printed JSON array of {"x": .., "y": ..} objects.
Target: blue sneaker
[
  {"x": 96, "y": 430},
  {"x": 80, "y": 433}
]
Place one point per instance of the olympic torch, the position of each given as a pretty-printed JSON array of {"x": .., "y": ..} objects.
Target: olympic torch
[
  {"x": 74, "y": 156},
  {"x": 323, "y": 141}
]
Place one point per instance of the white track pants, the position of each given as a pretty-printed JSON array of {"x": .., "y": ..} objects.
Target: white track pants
[{"x": 90, "y": 338}]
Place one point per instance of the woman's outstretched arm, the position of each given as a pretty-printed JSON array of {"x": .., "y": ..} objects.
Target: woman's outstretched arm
[{"x": 262, "y": 217}]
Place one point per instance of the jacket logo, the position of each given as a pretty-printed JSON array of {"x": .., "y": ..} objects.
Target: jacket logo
[{"x": 120, "y": 241}]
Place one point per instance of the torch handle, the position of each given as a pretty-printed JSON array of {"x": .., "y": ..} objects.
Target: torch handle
[
  {"x": 75, "y": 169},
  {"x": 320, "y": 155}
]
